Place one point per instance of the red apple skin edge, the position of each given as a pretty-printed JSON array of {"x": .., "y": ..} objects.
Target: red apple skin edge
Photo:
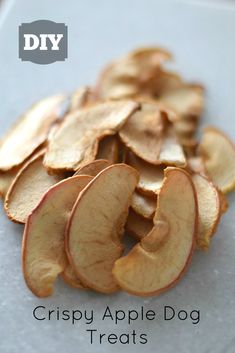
[{"x": 189, "y": 259}]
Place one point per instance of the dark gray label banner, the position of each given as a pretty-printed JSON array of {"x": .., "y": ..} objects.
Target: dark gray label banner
[{"x": 43, "y": 42}]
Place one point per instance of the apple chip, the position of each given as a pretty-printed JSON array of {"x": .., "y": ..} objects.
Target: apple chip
[
  {"x": 187, "y": 100},
  {"x": 209, "y": 210},
  {"x": 131, "y": 75},
  {"x": 151, "y": 176},
  {"x": 6, "y": 178},
  {"x": 151, "y": 137},
  {"x": 109, "y": 149},
  {"x": 137, "y": 226},
  {"x": 29, "y": 132},
  {"x": 76, "y": 141},
  {"x": 218, "y": 154},
  {"x": 144, "y": 205},
  {"x": 93, "y": 168},
  {"x": 162, "y": 257},
  {"x": 97, "y": 224},
  {"x": 27, "y": 189},
  {"x": 143, "y": 132},
  {"x": 43, "y": 251}
]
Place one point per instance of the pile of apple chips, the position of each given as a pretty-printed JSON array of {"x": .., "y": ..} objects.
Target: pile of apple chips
[{"x": 82, "y": 172}]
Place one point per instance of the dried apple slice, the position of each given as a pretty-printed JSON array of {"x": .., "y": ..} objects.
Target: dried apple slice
[
  {"x": 187, "y": 100},
  {"x": 76, "y": 141},
  {"x": 109, "y": 149},
  {"x": 171, "y": 152},
  {"x": 131, "y": 75},
  {"x": 148, "y": 134},
  {"x": 6, "y": 179},
  {"x": 161, "y": 258},
  {"x": 29, "y": 132},
  {"x": 93, "y": 168},
  {"x": 218, "y": 154},
  {"x": 27, "y": 189},
  {"x": 43, "y": 253},
  {"x": 138, "y": 226},
  {"x": 151, "y": 176},
  {"x": 209, "y": 210},
  {"x": 143, "y": 132},
  {"x": 96, "y": 226},
  {"x": 144, "y": 205}
]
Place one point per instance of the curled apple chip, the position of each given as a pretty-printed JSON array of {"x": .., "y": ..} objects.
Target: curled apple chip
[
  {"x": 143, "y": 132},
  {"x": 109, "y": 149},
  {"x": 6, "y": 179},
  {"x": 93, "y": 168},
  {"x": 137, "y": 226},
  {"x": 43, "y": 252},
  {"x": 29, "y": 132},
  {"x": 218, "y": 154},
  {"x": 76, "y": 141},
  {"x": 162, "y": 257},
  {"x": 96, "y": 226},
  {"x": 151, "y": 137},
  {"x": 151, "y": 176},
  {"x": 144, "y": 205},
  {"x": 131, "y": 75},
  {"x": 27, "y": 189},
  {"x": 209, "y": 209},
  {"x": 187, "y": 100}
]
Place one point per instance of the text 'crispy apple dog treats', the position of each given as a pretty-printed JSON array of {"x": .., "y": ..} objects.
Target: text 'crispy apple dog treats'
[{"x": 122, "y": 158}]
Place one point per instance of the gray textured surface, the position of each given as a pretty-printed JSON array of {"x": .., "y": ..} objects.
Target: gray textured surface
[{"x": 202, "y": 38}]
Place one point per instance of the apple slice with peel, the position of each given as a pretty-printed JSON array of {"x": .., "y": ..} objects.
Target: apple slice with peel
[
  {"x": 150, "y": 135},
  {"x": 218, "y": 154},
  {"x": 93, "y": 240},
  {"x": 209, "y": 209},
  {"x": 6, "y": 179},
  {"x": 75, "y": 143},
  {"x": 29, "y": 132},
  {"x": 93, "y": 168},
  {"x": 162, "y": 257},
  {"x": 29, "y": 185},
  {"x": 43, "y": 253}
]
